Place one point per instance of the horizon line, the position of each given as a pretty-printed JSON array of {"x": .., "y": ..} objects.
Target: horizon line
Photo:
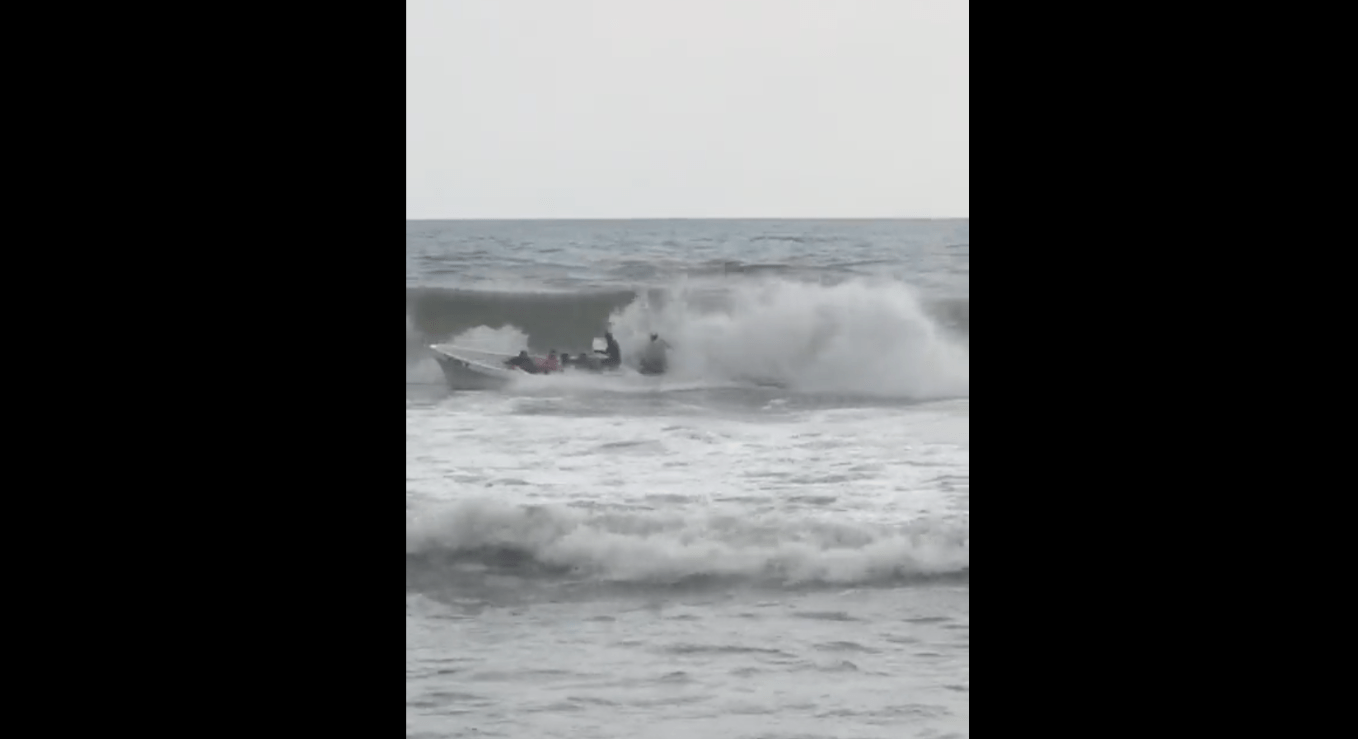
[{"x": 698, "y": 218}]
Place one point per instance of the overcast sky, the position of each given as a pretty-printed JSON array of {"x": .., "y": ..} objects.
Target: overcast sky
[{"x": 686, "y": 108}]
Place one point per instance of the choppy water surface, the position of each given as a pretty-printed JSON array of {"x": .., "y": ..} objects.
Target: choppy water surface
[{"x": 770, "y": 541}]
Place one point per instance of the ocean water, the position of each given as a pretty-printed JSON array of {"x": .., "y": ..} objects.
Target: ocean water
[{"x": 771, "y": 540}]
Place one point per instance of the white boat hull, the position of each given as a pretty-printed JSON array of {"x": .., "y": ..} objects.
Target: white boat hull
[
  {"x": 475, "y": 369},
  {"x": 471, "y": 369}
]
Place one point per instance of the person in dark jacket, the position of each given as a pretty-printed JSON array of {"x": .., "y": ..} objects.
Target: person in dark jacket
[
  {"x": 523, "y": 362},
  {"x": 612, "y": 352}
]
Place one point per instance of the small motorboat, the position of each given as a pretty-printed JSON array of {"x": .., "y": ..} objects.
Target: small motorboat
[{"x": 475, "y": 369}]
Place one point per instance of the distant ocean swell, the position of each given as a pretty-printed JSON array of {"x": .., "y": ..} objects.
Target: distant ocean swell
[{"x": 484, "y": 538}]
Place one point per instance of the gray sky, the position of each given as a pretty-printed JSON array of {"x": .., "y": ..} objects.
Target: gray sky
[{"x": 687, "y": 108}]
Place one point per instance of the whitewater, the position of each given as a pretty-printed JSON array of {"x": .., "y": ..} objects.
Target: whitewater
[{"x": 772, "y": 540}]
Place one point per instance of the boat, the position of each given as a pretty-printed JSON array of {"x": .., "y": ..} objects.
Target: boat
[
  {"x": 476, "y": 369},
  {"x": 472, "y": 369}
]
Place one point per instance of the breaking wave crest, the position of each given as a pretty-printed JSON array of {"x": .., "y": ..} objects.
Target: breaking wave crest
[
  {"x": 477, "y": 538},
  {"x": 868, "y": 336}
]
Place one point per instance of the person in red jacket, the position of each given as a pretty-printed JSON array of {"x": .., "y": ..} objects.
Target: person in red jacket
[{"x": 550, "y": 364}]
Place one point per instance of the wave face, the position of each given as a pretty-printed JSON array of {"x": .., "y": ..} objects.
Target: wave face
[
  {"x": 549, "y": 320},
  {"x": 868, "y": 336},
  {"x": 478, "y": 539}
]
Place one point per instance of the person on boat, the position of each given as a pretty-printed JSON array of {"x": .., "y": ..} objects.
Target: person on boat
[
  {"x": 550, "y": 364},
  {"x": 612, "y": 352},
  {"x": 654, "y": 359},
  {"x": 523, "y": 362}
]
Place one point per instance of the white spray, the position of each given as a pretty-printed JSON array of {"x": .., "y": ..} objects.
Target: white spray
[{"x": 867, "y": 336}]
